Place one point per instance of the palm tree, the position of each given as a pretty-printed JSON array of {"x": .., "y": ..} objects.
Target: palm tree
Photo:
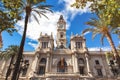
[
  {"x": 29, "y": 7},
  {"x": 10, "y": 52},
  {"x": 100, "y": 26}
]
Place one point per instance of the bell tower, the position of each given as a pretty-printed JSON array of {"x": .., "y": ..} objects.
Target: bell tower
[{"x": 61, "y": 33}]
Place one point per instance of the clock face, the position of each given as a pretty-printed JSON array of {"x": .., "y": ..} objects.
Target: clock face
[{"x": 61, "y": 26}]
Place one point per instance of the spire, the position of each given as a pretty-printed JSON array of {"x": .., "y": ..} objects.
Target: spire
[{"x": 61, "y": 17}]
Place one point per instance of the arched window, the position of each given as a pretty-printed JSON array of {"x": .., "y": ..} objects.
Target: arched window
[
  {"x": 81, "y": 61},
  {"x": 61, "y": 35},
  {"x": 62, "y": 46},
  {"x": 81, "y": 66},
  {"x": 42, "y": 65},
  {"x": 43, "y": 61},
  {"x": 62, "y": 66}
]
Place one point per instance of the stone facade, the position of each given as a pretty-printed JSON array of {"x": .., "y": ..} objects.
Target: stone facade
[{"x": 62, "y": 63}]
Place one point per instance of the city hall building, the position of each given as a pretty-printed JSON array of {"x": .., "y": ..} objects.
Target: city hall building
[{"x": 75, "y": 62}]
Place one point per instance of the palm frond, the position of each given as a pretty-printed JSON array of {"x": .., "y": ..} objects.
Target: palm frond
[
  {"x": 87, "y": 30},
  {"x": 90, "y": 23},
  {"x": 102, "y": 38},
  {"x": 44, "y": 15},
  {"x": 22, "y": 3},
  {"x": 94, "y": 19},
  {"x": 48, "y": 10},
  {"x": 36, "y": 18},
  {"x": 93, "y": 22},
  {"x": 44, "y": 6},
  {"x": 37, "y": 13},
  {"x": 35, "y": 2},
  {"x": 94, "y": 34}
]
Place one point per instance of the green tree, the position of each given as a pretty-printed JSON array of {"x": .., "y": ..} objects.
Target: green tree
[
  {"x": 8, "y": 16},
  {"x": 6, "y": 24},
  {"x": 9, "y": 53},
  {"x": 109, "y": 9},
  {"x": 28, "y": 6},
  {"x": 100, "y": 26}
]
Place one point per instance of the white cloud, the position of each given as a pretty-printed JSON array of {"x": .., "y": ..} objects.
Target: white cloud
[
  {"x": 33, "y": 45},
  {"x": 72, "y": 10},
  {"x": 98, "y": 48},
  {"x": 47, "y": 26}
]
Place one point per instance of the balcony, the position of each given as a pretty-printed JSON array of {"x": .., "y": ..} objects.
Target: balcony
[{"x": 44, "y": 50}]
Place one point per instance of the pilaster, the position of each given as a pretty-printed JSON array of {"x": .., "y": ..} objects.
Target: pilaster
[
  {"x": 47, "y": 63},
  {"x": 88, "y": 65},
  {"x": 73, "y": 62},
  {"x": 76, "y": 63},
  {"x": 33, "y": 65}
]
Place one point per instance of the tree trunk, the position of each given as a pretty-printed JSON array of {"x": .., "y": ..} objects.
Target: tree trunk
[
  {"x": 116, "y": 55},
  {"x": 20, "y": 53},
  {"x": 19, "y": 72},
  {"x": 8, "y": 71},
  {"x": 1, "y": 40}
]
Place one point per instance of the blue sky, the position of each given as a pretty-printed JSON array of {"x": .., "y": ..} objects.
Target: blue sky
[{"x": 75, "y": 19}]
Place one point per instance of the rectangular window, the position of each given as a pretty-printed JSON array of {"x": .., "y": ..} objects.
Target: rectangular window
[
  {"x": 42, "y": 70},
  {"x": 81, "y": 70},
  {"x": 97, "y": 62},
  {"x": 99, "y": 72},
  {"x": 44, "y": 44},
  {"x": 79, "y": 45}
]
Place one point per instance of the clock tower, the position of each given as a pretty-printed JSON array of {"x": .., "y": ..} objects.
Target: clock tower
[{"x": 61, "y": 33}]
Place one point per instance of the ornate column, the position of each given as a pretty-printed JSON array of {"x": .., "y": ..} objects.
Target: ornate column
[
  {"x": 76, "y": 64},
  {"x": 47, "y": 63},
  {"x": 88, "y": 64},
  {"x": 73, "y": 62}
]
